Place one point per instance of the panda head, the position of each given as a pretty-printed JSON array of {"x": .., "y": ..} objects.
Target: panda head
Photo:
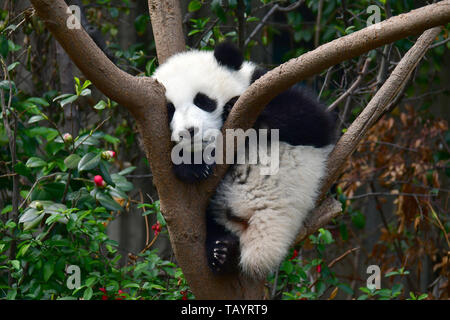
[{"x": 200, "y": 88}]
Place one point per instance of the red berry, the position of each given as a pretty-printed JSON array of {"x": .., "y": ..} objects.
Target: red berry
[
  {"x": 319, "y": 268},
  {"x": 156, "y": 228},
  {"x": 99, "y": 182},
  {"x": 294, "y": 255}
]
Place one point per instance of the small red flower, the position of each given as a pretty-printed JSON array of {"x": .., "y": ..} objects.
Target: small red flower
[
  {"x": 104, "y": 296},
  {"x": 156, "y": 228},
  {"x": 99, "y": 182},
  {"x": 319, "y": 268},
  {"x": 294, "y": 255},
  {"x": 121, "y": 295},
  {"x": 184, "y": 293}
]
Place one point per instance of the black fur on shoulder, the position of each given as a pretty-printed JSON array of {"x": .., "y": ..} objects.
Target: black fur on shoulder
[
  {"x": 257, "y": 73},
  {"x": 300, "y": 117},
  {"x": 228, "y": 55},
  {"x": 227, "y": 108}
]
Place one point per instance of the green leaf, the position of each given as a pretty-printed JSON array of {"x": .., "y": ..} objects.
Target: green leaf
[
  {"x": 6, "y": 84},
  {"x": 11, "y": 294},
  {"x": 194, "y": 5},
  {"x": 100, "y": 105},
  {"x": 218, "y": 10},
  {"x": 343, "y": 231},
  {"x": 35, "y": 162},
  {"x": 359, "y": 220},
  {"x": 23, "y": 170},
  {"x": 62, "y": 96},
  {"x": 49, "y": 268},
  {"x": 38, "y": 101},
  {"x": 111, "y": 139},
  {"x": 13, "y": 65},
  {"x": 15, "y": 264},
  {"x": 4, "y": 47},
  {"x": 86, "y": 140},
  {"x": 108, "y": 202},
  {"x": 89, "y": 161},
  {"x": 161, "y": 219},
  {"x": 87, "y": 295},
  {"x": 29, "y": 214},
  {"x": 191, "y": 33},
  {"x": 86, "y": 84},
  {"x": 127, "y": 171},
  {"x": 7, "y": 209},
  {"x": 140, "y": 23},
  {"x": 122, "y": 183},
  {"x": 346, "y": 288},
  {"x": 23, "y": 250},
  {"x": 150, "y": 67},
  {"x": 423, "y": 296},
  {"x": 72, "y": 161},
  {"x": 36, "y": 118},
  {"x": 85, "y": 92},
  {"x": 68, "y": 100},
  {"x": 326, "y": 236},
  {"x": 105, "y": 174},
  {"x": 114, "y": 12},
  {"x": 91, "y": 281}
]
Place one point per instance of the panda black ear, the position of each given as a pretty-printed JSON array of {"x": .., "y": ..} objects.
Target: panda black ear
[{"x": 228, "y": 55}]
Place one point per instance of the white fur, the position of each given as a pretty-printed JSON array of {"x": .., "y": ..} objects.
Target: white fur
[{"x": 275, "y": 206}]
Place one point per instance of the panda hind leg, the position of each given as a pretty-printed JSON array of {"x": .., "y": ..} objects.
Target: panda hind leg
[{"x": 222, "y": 248}]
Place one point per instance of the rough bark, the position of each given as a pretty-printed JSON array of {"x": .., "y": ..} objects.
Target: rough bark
[
  {"x": 183, "y": 205},
  {"x": 167, "y": 27}
]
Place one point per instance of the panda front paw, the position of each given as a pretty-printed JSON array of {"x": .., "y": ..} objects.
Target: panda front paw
[
  {"x": 223, "y": 255},
  {"x": 192, "y": 173}
]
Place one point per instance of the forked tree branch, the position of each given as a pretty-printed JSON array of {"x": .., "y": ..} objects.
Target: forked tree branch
[{"x": 184, "y": 205}]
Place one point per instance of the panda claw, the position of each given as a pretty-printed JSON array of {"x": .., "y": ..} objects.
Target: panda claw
[{"x": 223, "y": 255}]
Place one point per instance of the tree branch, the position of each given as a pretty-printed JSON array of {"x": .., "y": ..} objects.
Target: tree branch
[
  {"x": 352, "y": 87},
  {"x": 167, "y": 25}
]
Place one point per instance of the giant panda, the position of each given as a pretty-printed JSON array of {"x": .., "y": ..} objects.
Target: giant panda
[{"x": 252, "y": 219}]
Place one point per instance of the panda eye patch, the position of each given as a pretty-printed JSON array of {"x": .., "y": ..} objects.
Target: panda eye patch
[
  {"x": 205, "y": 103},
  {"x": 170, "y": 111}
]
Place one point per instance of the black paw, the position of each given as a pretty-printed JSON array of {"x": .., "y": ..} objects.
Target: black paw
[
  {"x": 191, "y": 173},
  {"x": 223, "y": 255}
]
